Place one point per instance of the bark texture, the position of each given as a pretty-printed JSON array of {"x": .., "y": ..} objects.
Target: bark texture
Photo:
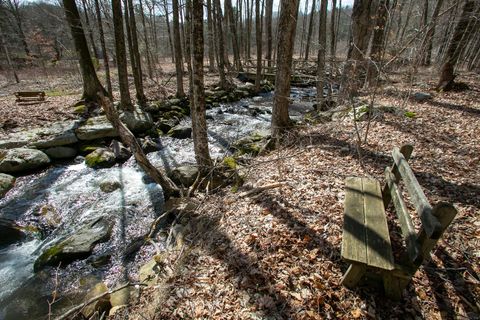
[
  {"x": 91, "y": 84},
  {"x": 287, "y": 23},
  {"x": 125, "y": 100},
  {"x": 199, "y": 123},
  {"x": 455, "y": 47}
]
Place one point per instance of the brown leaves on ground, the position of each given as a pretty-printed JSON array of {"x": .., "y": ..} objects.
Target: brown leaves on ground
[{"x": 276, "y": 254}]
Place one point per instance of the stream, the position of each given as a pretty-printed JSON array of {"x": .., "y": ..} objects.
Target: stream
[{"x": 56, "y": 201}]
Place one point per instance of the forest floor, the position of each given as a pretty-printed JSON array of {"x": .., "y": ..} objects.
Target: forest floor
[{"x": 276, "y": 254}]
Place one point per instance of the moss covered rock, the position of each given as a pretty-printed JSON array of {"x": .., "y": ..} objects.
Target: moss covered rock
[
  {"x": 76, "y": 246},
  {"x": 100, "y": 158}
]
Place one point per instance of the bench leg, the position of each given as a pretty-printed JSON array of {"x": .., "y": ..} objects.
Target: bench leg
[
  {"x": 354, "y": 274},
  {"x": 394, "y": 285}
]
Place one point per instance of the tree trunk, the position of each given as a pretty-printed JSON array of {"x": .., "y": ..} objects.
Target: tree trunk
[
  {"x": 145, "y": 40},
  {"x": 249, "y": 28},
  {"x": 304, "y": 26},
  {"x": 125, "y": 100},
  {"x": 285, "y": 45},
  {"x": 310, "y": 29},
  {"x": 91, "y": 84},
  {"x": 90, "y": 31},
  {"x": 407, "y": 20},
  {"x": 7, "y": 55},
  {"x": 355, "y": 69},
  {"x": 360, "y": 36},
  {"x": 169, "y": 188},
  {"x": 268, "y": 18},
  {"x": 258, "y": 36},
  {"x": 172, "y": 50},
  {"x": 137, "y": 73},
  {"x": 233, "y": 30},
  {"x": 333, "y": 35},
  {"x": 178, "y": 49},
  {"x": 199, "y": 122},
  {"x": 104, "y": 50},
  {"x": 378, "y": 47},
  {"x": 224, "y": 83},
  {"x": 211, "y": 50},
  {"x": 322, "y": 49},
  {"x": 455, "y": 47},
  {"x": 428, "y": 42},
  {"x": 337, "y": 27}
]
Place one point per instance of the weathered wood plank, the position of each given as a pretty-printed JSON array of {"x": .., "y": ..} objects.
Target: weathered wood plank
[
  {"x": 430, "y": 223},
  {"x": 445, "y": 213},
  {"x": 354, "y": 274},
  {"x": 406, "y": 150},
  {"x": 406, "y": 224},
  {"x": 379, "y": 248},
  {"x": 354, "y": 236}
]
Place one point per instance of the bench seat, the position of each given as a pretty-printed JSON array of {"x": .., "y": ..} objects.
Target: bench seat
[{"x": 366, "y": 240}]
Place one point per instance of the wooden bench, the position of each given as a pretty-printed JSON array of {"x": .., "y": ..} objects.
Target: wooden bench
[
  {"x": 30, "y": 96},
  {"x": 366, "y": 241}
]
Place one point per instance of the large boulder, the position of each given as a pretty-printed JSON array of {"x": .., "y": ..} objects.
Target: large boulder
[
  {"x": 100, "y": 158},
  {"x": 56, "y": 134},
  {"x": 61, "y": 152},
  {"x": 95, "y": 128},
  {"x": 6, "y": 183},
  {"x": 181, "y": 132},
  {"x": 22, "y": 159},
  {"x": 138, "y": 120},
  {"x": 77, "y": 245},
  {"x": 184, "y": 175}
]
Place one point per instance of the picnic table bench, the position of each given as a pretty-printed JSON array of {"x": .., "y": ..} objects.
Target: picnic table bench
[
  {"x": 30, "y": 96},
  {"x": 366, "y": 241}
]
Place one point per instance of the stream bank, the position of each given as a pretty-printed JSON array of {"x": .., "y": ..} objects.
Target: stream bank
[{"x": 52, "y": 205}]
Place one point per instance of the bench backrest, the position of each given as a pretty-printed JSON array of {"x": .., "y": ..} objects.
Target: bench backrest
[
  {"x": 434, "y": 219},
  {"x": 30, "y": 94}
]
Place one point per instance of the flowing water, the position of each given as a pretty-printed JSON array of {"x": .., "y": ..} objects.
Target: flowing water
[{"x": 53, "y": 203}]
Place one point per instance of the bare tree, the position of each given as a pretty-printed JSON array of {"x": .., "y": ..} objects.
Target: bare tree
[
  {"x": 91, "y": 84},
  {"x": 14, "y": 8},
  {"x": 322, "y": 49},
  {"x": 285, "y": 44},
  {"x": 199, "y": 123},
  {"x": 457, "y": 43},
  {"x": 310, "y": 30},
  {"x": 89, "y": 30},
  {"x": 258, "y": 36},
  {"x": 268, "y": 23},
  {"x": 125, "y": 100},
  {"x": 428, "y": 41},
  {"x": 104, "y": 49},
  {"x": 135, "y": 54},
  {"x": 178, "y": 49},
  {"x": 211, "y": 50},
  {"x": 333, "y": 35},
  {"x": 234, "y": 37},
  {"x": 378, "y": 45}
]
